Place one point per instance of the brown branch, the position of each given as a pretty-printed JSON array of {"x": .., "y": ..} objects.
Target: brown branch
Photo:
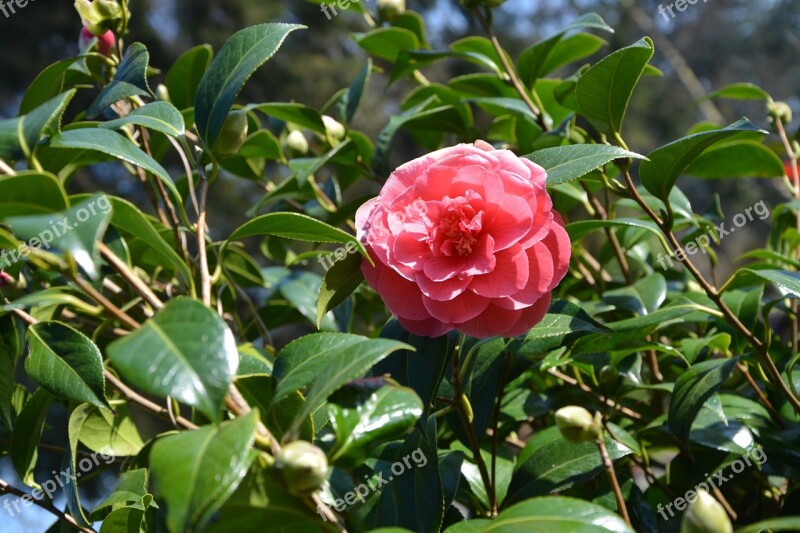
[
  {"x": 608, "y": 466},
  {"x": 129, "y": 276},
  {"x": 5, "y": 488},
  {"x": 585, "y": 388},
  {"x": 112, "y": 309},
  {"x": 205, "y": 276}
]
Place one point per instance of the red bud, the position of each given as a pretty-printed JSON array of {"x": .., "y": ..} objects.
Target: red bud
[
  {"x": 5, "y": 279},
  {"x": 105, "y": 42}
]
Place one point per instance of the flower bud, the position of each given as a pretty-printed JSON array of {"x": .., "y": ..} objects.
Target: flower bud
[
  {"x": 780, "y": 111},
  {"x": 162, "y": 93},
  {"x": 105, "y": 42},
  {"x": 232, "y": 135},
  {"x": 333, "y": 128},
  {"x": 5, "y": 280},
  {"x": 609, "y": 376},
  {"x": 296, "y": 144},
  {"x": 99, "y": 16},
  {"x": 705, "y": 515},
  {"x": 304, "y": 467},
  {"x": 389, "y": 10},
  {"x": 577, "y": 424}
]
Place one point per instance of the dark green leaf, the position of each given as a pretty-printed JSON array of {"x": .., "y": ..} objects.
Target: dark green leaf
[
  {"x": 27, "y": 435},
  {"x": 185, "y": 75},
  {"x": 66, "y": 363},
  {"x": 239, "y": 58},
  {"x": 185, "y": 351},
  {"x": 157, "y": 116},
  {"x": 566, "y": 163},
  {"x": 196, "y": 471},
  {"x": 130, "y": 80},
  {"x": 342, "y": 278}
]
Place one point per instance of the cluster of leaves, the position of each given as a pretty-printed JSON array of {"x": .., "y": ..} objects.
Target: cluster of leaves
[{"x": 688, "y": 376}]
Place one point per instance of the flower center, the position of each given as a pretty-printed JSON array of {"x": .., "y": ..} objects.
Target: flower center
[{"x": 455, "y": 233}]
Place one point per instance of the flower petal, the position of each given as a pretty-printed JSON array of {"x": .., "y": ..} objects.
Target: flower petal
[
  {"x": 510, "y": 275},
  {"x": 464, "y": 307}
]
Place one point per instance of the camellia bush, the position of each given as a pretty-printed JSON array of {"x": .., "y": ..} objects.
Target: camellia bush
[{"x": 522, "y": 330}]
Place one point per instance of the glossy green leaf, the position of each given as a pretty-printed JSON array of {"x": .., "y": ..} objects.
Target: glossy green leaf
[
  {"x": 196, "y": 471},
  {"x": 157, "y": 116},
  {"x": 299, "y": 114},
  {"x": 666, "y": 164},
  {"x": 130, "y": 80},
  {"x": 185, "y": 351},
  {"x": 363, "y": 417},
  {"x": 10, "y": 350},
  {"x": 20, "y": 136},
  {"x": 112, "y": 143},
  {"x": 692, "y": 389},
  {"x": 737, "y": 159},
  {"x": 48, "y": 84},
  {"x": 294, "y": 226},
  {"x": 387, "y": 43},
  {"x": 75, "y": 232},
  {"x": 341, "y": 279},
  {"x": 130, "y": 489},
  {"x": 782, "y": 523},
  {"x": 786, "y": 280},
  {"x": 549, "y": 463},
  {"x": 349, "y": 104},
  {"x": 340, "y": 357},
  {"x": 739, "y": 91},
  {"x": 550, "y": 514},
  {"x": 566, "y": 163},
  {"x": 603, "y": 92},
  {"x": 185, "y": 74},
  {"x": 238, "y": 59},
  {"x": 66, "y": 363}
]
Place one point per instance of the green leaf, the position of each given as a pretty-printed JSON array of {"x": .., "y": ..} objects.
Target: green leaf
[
  {"x": 342, "y": 278},
  {"x": 261, "y": 503},
  {"x": 549, "y": 463},
  {"x": 786, "y": 280},
  {"x": 194, "y": 472},
  {"x": 112, "y": 143},
  {"x": 101, "y": 431},
  {"x": 566, "y": 163},
  {"x": 239, "y": 58},
  {"x": 185, "y": 351},
  {"x": 299, "y": 114},
  {"x": 363, "y": 418},
  {"x": 737, "y": 159},
  {"x": 66, "y": 363},
  {"x": 692, "y": 389},
  {"x": 351, "y": 100},
  {"x": 603, "y": 91},
  {"x": 738, "y": 91},
  {"x": 783, "y": 523},
  {"x": 340, "y": 357},
  {"x": 10, "y": 349},
  {"x": 48, "y": 84},
  {"x": 130, "y": 489},
  {"x": 130, "y": 80},
  {"x": 157, "y": 116},
  {"x": 123, "y": 520},
  {"x": 185, "y": 74},
  {"x": 387, "y": 43},
  {"x": 20, "y": 136},
  {"x": 31, "y": 193},
  {"x": 301, "y": 289},
  {"x": 295, "y": 226},
  {"x": 666, "y": 164},
  {"x": 75, "y": 232},
  {"x": 27, "y": 435},
  {"x": 567, "y": 322},
  {"x": 551, "y": 514}
]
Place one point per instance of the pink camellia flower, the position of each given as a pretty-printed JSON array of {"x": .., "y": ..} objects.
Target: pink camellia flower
[
  {"x": 465, "y": 238},
  {"x": 105, "y": 42}
]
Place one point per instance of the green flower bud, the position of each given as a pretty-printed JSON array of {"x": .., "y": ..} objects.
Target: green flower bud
[
  {"x": 609, "y": 376},
  {"x": 232, "y": 135},
  {"x": 162, "y": 93},
  {"x": 577, "y": 424},
  {"x": 389, "y": 10},
  {"x": 705, "y": 515},
  {"x": 780, "y": 110},
  {"x": 296, "y": 144},
  {"x": 99, "y": 16},
  {"x": 333, "y": 128},
  {"x": 304, "y": 467}
]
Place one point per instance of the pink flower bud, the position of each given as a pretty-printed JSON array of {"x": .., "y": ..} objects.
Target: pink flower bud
[
  {"x": 5, "y": 279},
  {"x": 105, "y": 42}
]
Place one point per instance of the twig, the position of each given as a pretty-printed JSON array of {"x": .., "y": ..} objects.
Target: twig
[
  {"x": 205, "y": 276},
  {"x": 5, "y": 488},
  {"x": 151, "y": 406},
  {"x": 135, "y": 281},
  {"x": 115, "y": 311},
  {"x": 612, "y": 478},
  {"x": 495, "y": 423},
  {"x": 585, "y": 388},
  {"x": 6, "y": 169}
]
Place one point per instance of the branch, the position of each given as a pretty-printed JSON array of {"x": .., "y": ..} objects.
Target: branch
[
  {"x": 135, "y": 281},
  {"x": 5, "y": 488}
]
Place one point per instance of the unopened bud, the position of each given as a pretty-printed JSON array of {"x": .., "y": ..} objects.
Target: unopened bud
[
  {"x": 162, "y": 93},
  {"x": 296, "y": 144},
  {"x": 304, "y": 467},
  {"x": 232, "y": 135},
  {"x": 389, "y": 10},
  {"x": 577, "y": 424},
  {"x": 99, "y": 16},
  {"x": 334, "y": 129},
  {"x": 5, "y": 280},
  {"x": 609, "y": 376},
  {"x": 705, "y": 515},
  {"x": 780, "y": 111},
  {"x": 105, "y": 42}
]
